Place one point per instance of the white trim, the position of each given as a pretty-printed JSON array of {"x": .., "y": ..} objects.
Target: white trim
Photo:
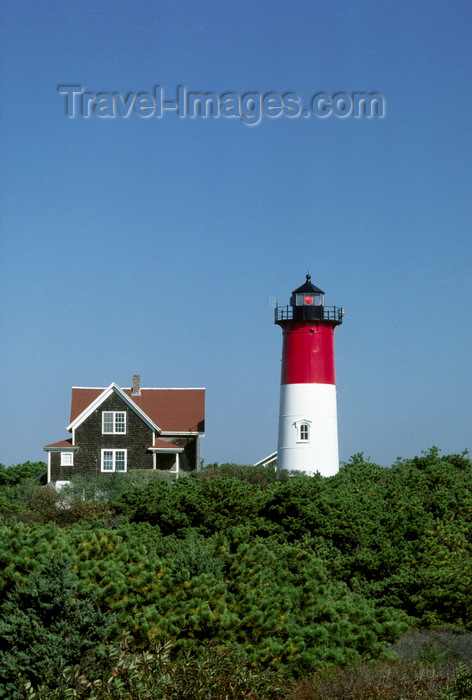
[
  {"x": 166, "y": 450},
  {"x": 106, "y": 393},
  {"x": 72, "y": 448},
  {"x": 147, "y": 388},
  {"x": 168, "y": 388},
  {"x": 267, "y": 460},
  {"x": 49, "y": 468},
  {"x": 176, "y": 468},
  {"x": 169, "y": 433},
  {"x": 96, "y": 388}
]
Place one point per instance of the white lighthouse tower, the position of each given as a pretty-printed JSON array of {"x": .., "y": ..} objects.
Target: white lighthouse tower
[{"x": 308, "y": 428}]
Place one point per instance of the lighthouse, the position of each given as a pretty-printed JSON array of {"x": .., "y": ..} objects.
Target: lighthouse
[{"x": 308, "y": 427}]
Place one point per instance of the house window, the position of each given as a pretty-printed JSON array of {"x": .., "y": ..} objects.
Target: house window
[
  {"x": 113, "y": 460},
  {"x": 304, "y": 432},
  {"x": 67, "y": 459},
  {"x": 113, "y": 422}
]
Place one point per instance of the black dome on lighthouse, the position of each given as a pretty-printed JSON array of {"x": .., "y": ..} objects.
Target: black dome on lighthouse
[{"x": 308, "y": 288}]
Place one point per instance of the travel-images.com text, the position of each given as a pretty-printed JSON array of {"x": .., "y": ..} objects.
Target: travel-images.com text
[{"x": 250, "y": 107}]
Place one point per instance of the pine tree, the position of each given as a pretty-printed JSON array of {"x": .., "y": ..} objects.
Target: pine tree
[{"x": 44, "y": 627}]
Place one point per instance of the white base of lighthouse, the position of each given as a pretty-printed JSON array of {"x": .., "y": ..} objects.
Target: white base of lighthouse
[{"x": 308, "y": 429}]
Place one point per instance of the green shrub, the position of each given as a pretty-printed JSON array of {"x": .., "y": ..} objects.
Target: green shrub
[
  {"x": 461, "y": 687},
  {"x": 213, "y": 673},
  {"x": 20, "y": 472},
  {"x": 44, "y": 627},
  {"x": 259, "y": 476}
]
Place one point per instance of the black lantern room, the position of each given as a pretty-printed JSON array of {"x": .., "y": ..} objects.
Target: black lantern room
[{"x": 307, "y": 302}]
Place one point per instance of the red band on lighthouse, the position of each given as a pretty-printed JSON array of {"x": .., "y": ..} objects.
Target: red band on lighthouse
[{"x": 308, "y": 353}]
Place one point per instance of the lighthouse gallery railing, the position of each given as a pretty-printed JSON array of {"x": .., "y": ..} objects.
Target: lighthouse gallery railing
[{"x": 326, "y": 313}]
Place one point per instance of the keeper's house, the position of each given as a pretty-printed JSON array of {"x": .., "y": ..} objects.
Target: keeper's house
[{"x": 116, "y": 430}]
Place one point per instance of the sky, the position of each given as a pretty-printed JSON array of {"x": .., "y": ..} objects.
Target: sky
[{"x": 152, "y": 245}]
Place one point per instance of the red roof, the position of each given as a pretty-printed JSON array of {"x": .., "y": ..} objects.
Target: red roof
[
  {"x": 62, "y": 443},
  {"x": 173, "y": 410}
]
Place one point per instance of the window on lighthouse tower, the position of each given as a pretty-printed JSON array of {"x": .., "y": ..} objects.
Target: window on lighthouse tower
[{"x": 304, "y": 432}]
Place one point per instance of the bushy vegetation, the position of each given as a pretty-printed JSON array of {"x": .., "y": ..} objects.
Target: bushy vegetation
[{"x": 236, "y": 582}]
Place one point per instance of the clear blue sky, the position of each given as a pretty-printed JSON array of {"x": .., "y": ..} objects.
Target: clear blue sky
[{"x": 151, "y": 246}]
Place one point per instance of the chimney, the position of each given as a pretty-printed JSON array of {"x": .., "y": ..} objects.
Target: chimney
[{"x": 136, "y": 385}]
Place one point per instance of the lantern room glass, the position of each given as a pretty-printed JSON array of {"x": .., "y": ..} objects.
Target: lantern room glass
[{"x": 309, "y": 299}]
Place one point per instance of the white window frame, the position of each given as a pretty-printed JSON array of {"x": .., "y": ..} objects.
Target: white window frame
[
  {"x": 113, "y": 452},
  {"x": 67, "y": 459},
  {"x": 304, "y": 431},
  {"x": 116, "y": 423}
]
